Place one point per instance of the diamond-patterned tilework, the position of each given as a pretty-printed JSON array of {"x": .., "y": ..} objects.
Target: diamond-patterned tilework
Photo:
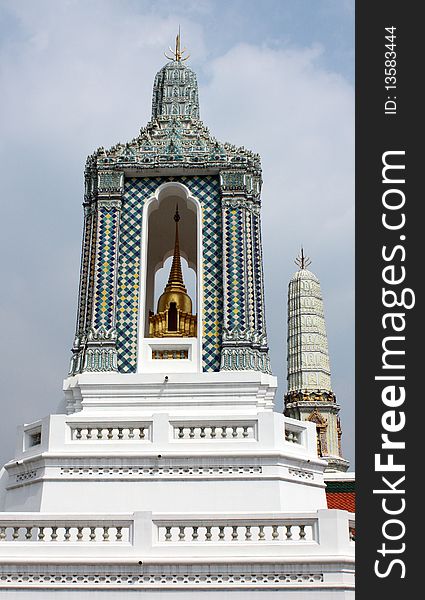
[
  {"x": 249, "y": 272},
  {"x": 137, "y": 191},
  {"x": 235, "y": 269},
  {"x": 105, "y": 270},
  {"x": 84, "y": 273},
  {"x": 92, "y": 274},
  {"x": 258, "y": 274},
  {"x": 206, "y": 189}
]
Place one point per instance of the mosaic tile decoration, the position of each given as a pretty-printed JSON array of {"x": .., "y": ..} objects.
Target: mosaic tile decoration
[
  {"x": 84, "y": 273},
  {"x": 235, "y": 309},
  {"x": 258, "y": 274},
  {"x": 91, "y": 274},
  {"x": 135, "y": 194},
  {"x": 137, "y": 190},
  {"x": 207, "y": 190},
  {"x": 249, "y": 271},
  {"x": 108, "y": 220}
]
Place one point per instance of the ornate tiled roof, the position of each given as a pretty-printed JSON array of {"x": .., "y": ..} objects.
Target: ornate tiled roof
[
  {"x": 341, "y": 494},
  {"x": 175, "y": 136}
]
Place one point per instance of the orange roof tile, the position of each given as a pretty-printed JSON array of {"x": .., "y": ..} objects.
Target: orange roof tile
[{"x": 342, "y": 500}]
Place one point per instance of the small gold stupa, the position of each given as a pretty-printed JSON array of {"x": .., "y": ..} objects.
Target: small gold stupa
[{"x": 174, "y": 316}]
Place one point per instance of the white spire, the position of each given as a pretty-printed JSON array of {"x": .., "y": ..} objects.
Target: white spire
[
  {"x": 308, "y": 356},
  {"x": 310, "y": 396}
]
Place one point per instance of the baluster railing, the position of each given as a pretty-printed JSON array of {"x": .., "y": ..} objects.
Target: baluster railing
[
  {"x": 109, "y": 431},
  {"x": 62, "y": 531},
  {"x": 212, "y": 431},
  {"x": 240, "y": 531},
  {"x": 292, "y": 436}
]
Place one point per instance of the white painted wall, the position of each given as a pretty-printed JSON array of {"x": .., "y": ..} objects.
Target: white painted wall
[{"x": 143, "y": 454}]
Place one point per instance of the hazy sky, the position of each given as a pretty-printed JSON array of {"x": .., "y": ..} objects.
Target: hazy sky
[{"x": 275, "y": 76}]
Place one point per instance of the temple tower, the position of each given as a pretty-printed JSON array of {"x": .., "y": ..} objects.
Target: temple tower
[
  {"x": 131, "y": 193},
  {"x": 310, "y": 396},
  {"x": 167, "y": 469}
]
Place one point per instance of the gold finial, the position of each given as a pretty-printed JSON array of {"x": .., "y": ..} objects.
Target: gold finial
[
  {"x": 177, "y": 53},
  {"x": 302, "y": 261},
  {"x": 175, "y": 279}
]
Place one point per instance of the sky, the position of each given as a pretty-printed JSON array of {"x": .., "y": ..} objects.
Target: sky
[{"x": 275, "y": 76}]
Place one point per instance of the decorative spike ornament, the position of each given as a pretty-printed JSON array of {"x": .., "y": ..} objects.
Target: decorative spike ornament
[{"x": 177, "y": 53}]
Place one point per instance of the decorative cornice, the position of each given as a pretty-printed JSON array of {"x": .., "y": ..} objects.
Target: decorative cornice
[
  {"x": 304, "y": 408},
  {"x": 244, "y": 337},
  {"x": 110, "y": 182},
  {"x": 305, "y": 396},
  {"x": 100, "y": 359},
  {"x": 336, "y": 463},
  {"x": 170, "y": 142},
  {"x": 95, "y": 351},
  {"x": 176, "y": 575},
  {"x": 229, "y": 202},
  {"x": 109, "y": 202},
  {"x": 102, "y": 336},
  {"x": 245, "y": 359}
]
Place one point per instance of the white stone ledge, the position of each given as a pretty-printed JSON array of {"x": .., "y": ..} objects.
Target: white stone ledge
[
  {"x": 264, "y": 459},
  {"x": 181, "y": 391},
  {"x": 225, "y": 453},
  {"x": 340, "y": 562}
]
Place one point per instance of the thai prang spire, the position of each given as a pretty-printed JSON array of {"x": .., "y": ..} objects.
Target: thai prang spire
[{"x": 310, "y": 396}]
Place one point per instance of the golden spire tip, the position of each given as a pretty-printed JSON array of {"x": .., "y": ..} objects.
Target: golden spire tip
[{"x": 177, "y": 54}]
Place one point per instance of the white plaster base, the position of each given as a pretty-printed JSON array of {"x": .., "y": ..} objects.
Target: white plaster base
[{"x": 195, "y": 476}]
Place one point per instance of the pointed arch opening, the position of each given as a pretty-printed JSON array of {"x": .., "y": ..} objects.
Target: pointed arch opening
[
  {"x": 168, "y": 326},
  {"x": 321, "y": 426}
]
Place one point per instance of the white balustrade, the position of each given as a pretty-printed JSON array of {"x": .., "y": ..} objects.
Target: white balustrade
[
  {"x": 215, "y": 431},
  {"x": 111, "y": 432},
  {"x": 292, "y": 435},
  {"x": 61, "y": 531},
  {"x": 241, "y": 531},
  {"x": 141, "y": 549},
  {"x": 147, "y": 534}
]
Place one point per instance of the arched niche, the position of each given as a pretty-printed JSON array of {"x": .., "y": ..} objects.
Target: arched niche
[
  {"x": 158, "y": 238},
  {"x": 321, "y": 426}
]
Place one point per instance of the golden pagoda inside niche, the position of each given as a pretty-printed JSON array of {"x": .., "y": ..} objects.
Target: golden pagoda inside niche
[{"x": 174, "y": 316}]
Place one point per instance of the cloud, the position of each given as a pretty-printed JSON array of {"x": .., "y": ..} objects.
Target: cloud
[
  {"x": 84, "y": 69},
  {"x": 75, "y": 76}
]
